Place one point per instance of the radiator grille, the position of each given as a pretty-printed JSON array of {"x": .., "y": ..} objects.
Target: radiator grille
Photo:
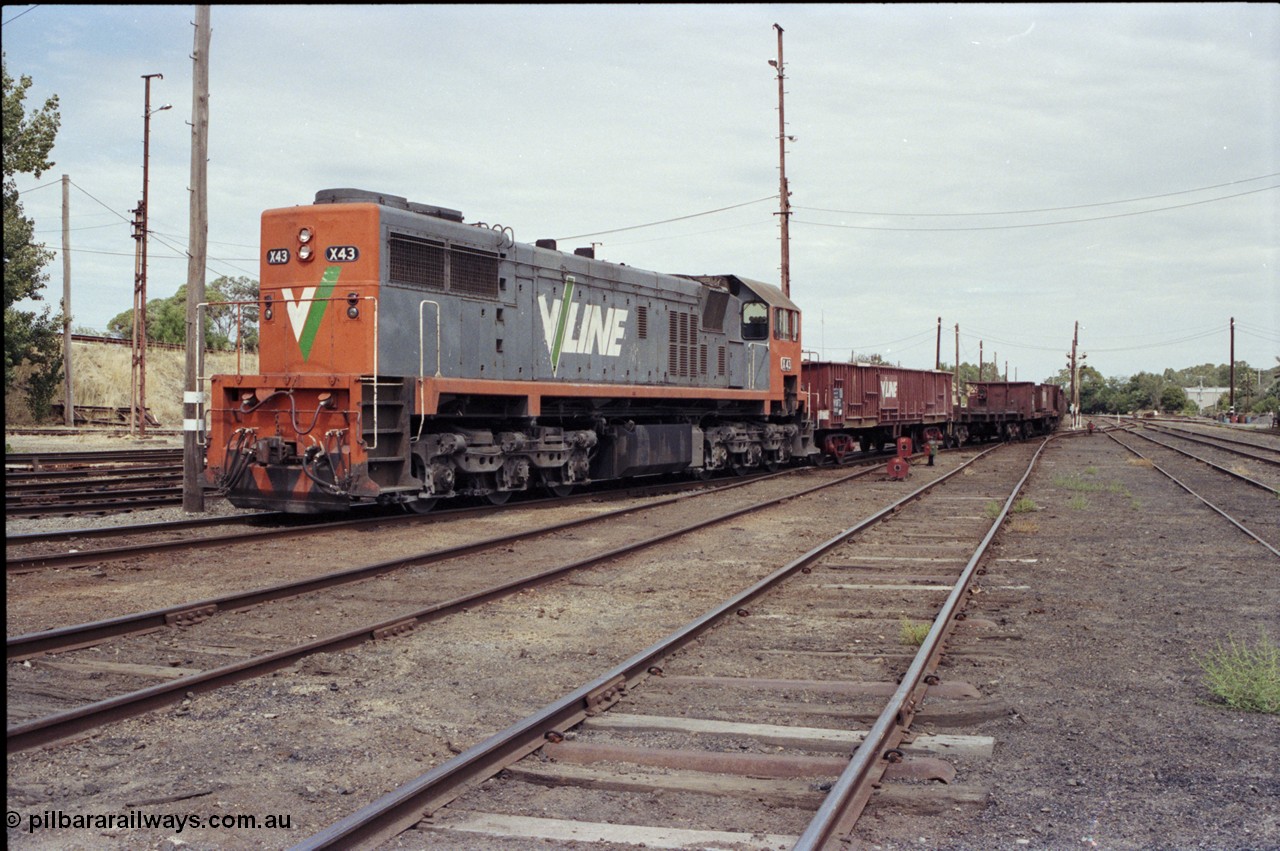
[
  {"x": 473, "y": 273},
  {"x": 427, "y": 264},
  {"x": 416, "y": 262}
]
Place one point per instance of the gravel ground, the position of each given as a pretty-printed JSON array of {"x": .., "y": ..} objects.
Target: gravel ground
[{"x": 1110, "y": 739}]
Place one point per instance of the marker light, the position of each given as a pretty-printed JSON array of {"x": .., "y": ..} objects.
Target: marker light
[
  {"x": 305, "y": 253},
  {"x": 304, "y": 235}
]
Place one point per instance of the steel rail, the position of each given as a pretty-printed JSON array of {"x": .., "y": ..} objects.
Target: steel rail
[
  {"x": 1213, "y": 442},
  {"x": 87, "y": 484},
  {"x": 111, "y": 502},
  {"x": 848, "y": 795},
  {"x": 50, "y": 728},
  {"x": 1169, "y": 426},
  {"x": 405, "y": 806},
  {"x": 1233, "y": 521},
  {"x": 32, "y": 644},
  {"x": 37, "y": 460},
  {"x": 85, "y": 558},
  {"x": 29, "y": 476},
  {"x": 143, "y": 528},
  {"x": 1221, "y": 469}
]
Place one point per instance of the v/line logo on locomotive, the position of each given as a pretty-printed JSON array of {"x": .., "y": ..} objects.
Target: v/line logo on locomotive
[
  {"x": 307, "y": 310},
  {"x": 600, "y": 329}
]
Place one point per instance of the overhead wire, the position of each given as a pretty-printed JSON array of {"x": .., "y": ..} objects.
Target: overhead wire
[
  {"x": 1040, "y": 224},
  {"x": 668, "y": 221},
  {"x": 1049, "y": 209}
]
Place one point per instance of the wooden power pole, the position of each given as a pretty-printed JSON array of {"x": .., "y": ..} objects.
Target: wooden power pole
[
  {"x": 784, "y": 203},
  {"x": 68, "y": 397},
  {"x": 192, "y": 401}
]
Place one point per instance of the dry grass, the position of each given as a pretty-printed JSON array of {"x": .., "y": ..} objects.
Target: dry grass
[
  {"x": 1139, "y": 462},
  {"x": 913, "y": 633},
  {"x": 101, "y": 374}
]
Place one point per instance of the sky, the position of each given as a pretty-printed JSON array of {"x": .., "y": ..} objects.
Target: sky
[{"x": 1010, "y": 169}]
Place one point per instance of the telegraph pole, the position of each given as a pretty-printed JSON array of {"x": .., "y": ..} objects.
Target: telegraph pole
[
  {"x": 138, "y": 404},
  {"x": 192, "y": 402},
  {"x": 784, "y": 205},
  {"x": 957, "y": 381},
  {"x": 1232, "y": 397},
  {"x": 68, "y": 398},
  {"x": 1075, "y": 379},
  {"x": 937, "y": 353}
]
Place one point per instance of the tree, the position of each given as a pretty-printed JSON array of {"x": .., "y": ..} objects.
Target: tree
[
  {"x": 167, "y": 317},
  {"x": 1172, "y": 399},
  {"x": 230, "y": 319},
  {"x": 30, "y": 338}
]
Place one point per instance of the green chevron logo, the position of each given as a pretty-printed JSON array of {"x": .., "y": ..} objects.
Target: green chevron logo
[{"x": 307, "y": 310}]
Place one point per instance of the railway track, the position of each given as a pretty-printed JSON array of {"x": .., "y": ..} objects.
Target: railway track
[
  {"x": 1245, "y": 501},
  {"x": 37, "y": 551},
  {"x": 71, "y": 483},
  {"x": 736, "y": 729},
  {"x": 193, "y": 658},
  {"x": 35, "y": 461},
  {"x": 1262, "y": 449}
]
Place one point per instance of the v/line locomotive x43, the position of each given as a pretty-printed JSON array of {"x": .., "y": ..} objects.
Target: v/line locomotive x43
[{"x": 405, "y": 357}]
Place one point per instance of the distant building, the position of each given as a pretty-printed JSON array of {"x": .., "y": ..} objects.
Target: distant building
[{"x": 1206, "y": 397}]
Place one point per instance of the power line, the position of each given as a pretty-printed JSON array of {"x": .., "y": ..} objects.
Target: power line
[
  {"x": 20, "y": 14},
  {"x": 1047, "y": 209},
  {"x": 686, "y": 235},
  {"x": 1047, "y": 224},
  {"x": 42, "y": 185},
  {"x": 668, "y": 221}
]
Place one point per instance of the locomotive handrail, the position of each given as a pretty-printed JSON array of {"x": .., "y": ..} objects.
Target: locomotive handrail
[
  {"x": 751, "y": 362},
  {"x": 422, "y": 366},
  {"x": 201, "y": 396}
]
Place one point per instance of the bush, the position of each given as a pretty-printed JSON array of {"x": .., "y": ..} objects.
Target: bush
[{"x": 1245, "y": 677}]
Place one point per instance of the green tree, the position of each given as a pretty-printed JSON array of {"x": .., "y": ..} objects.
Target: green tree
[
  {"x": 232, "y": 318},
  {"x": 30, "y": 338},
  {"x": 1172, "y": 399},
  {"x": 167, "y": 317}
]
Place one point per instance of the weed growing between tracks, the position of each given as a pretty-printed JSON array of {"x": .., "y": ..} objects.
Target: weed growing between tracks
[
  {"x": 1245, "y": 677},
  {"x": 913, "y": 633}
]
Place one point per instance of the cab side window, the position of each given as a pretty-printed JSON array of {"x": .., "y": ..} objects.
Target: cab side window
[
  {"x": 786, "y": 324},
  {"x": 755, "y": 321}
]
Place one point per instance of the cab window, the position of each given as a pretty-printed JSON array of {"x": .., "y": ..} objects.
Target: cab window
[
  {"x": 786, "y": 324},
  {"x": 755, "y": 321}
]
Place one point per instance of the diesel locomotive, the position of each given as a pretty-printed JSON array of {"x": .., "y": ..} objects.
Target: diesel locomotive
[{"x": 406, "y": 356}]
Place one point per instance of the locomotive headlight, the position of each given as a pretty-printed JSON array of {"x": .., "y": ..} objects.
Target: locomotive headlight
[
  {"x": 305, "y": 253},
  {"x": 304, "y": 235},
  {"x": 353, "y": 312}
]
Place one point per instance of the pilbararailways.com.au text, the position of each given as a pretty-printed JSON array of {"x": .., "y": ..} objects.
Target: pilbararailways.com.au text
[{"x": 136, "y": 820}]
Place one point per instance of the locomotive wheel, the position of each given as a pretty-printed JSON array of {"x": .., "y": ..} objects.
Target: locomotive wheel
[
  {"x": 419, "y": 506},
  {"x": 554, "y": 486},
  {"x": 498, "y": 497}
]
